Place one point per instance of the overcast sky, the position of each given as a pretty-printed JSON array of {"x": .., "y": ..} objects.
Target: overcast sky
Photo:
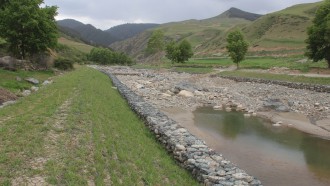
[{"x": 104, "y": 14}]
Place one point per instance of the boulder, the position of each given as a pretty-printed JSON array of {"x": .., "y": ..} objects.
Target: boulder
[
  {"x": 32, "y": 80},
  {"x": 186, "y": 93}
]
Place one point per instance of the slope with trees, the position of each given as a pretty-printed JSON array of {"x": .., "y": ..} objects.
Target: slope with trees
[{"x": 28, "y": 28}]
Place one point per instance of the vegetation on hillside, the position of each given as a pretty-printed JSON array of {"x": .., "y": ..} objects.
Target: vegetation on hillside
[
  {"x": 106, "y": 56},
  {"x": 318, "y": 41},
  {"x": 278, "y": 34},
  {"x": 28, "y": 28}
]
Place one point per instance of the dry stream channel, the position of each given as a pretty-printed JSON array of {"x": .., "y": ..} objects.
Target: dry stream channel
[{"x": 276, "y": 155}]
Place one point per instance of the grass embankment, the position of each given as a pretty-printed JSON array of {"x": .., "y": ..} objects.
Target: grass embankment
[
  {"x": 80, "y": 131},
  {"x": 9, "y": 82},
  {"x": 206, "y": 65},
  {"x": 279, "y": 77},
  {"x": 77, "y": 45}
]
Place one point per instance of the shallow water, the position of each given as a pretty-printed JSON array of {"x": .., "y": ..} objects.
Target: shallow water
[{"x": 275, "y": 155}]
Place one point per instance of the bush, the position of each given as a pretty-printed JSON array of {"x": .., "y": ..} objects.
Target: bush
[
  {"x": 63, "y": 64},
  {"x": 106, "y": 56}
]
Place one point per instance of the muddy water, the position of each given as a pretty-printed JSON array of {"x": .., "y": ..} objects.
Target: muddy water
[{"x": 275, "y": 155}]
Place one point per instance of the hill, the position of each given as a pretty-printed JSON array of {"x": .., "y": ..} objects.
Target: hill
[
  {"x": 285, "y": 28},
  {"x": 274, "y": 34},
  {"x": 196, "y": 32},
  {"x": 91, "y": 35},
  {"x": 86, "y": 32},
  {"x": 237, "y": 13},
  {"x": 125, "y": 31}
]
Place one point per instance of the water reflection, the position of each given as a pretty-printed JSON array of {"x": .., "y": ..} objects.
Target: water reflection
[{"x": 254, "y": 132}]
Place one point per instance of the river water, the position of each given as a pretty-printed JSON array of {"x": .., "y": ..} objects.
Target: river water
[{"x": 275, "y": 155}]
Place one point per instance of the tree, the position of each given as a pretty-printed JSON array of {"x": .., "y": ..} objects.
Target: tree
[
  {"x": 318, "y": 41},
  {"x": 28, "y": 28},
  {"x": 179, "y": 53},
  {"x": 237, "y": 46},
  {"x": 156, "y": 42}
]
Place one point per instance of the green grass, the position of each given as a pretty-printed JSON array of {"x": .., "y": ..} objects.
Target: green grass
[
  {"x": 205, "y": 65},
  {"x": 8, "y": 79},
  {"x": 80, "y": 46},
  {"x": 260, "y": 63},
  {"x": 280, "y": 77},
  {"x": 86, "y": 133}
]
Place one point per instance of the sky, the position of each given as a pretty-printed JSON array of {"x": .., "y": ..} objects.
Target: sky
[{"x": 104, "y": 14}]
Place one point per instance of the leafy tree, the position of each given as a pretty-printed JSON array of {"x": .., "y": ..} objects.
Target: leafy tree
[
  {"x": 28, "y": 28},
  {"x": 318, "y": 41},
  {"x": 179, "y": 52},
  {"x": 237, "y": 46},
  {"x": 156, "y": 42}
]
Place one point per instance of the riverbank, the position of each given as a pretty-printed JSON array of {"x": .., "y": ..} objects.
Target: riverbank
[{"x": 166, "y": 90}]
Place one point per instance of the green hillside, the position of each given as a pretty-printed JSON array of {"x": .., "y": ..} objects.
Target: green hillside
[
  {"x": 280, "y": 33},
  {"x": 286, "y": 28},
  {"x": 197, "y": 32}
]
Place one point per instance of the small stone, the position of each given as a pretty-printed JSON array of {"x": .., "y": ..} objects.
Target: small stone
[
  {"x": 186, "y": 93},
  {"x": 317, "y": 104},
  {"x": 47, "y": 82},
  {"x": 26, "y": 92},
  {"x": 254, "y": 114},
  {"x": 34, "y": 89},
  {"x": 180, "y": 147},
  {"x": 198, "y": 93},
  {"x": 217, "y": 107},
  {"x": 166, "y": 95},
  {"x": 228, "y": 109},
  {"x": 18, "y": 78},
  {"x": 247, "y": 115}
]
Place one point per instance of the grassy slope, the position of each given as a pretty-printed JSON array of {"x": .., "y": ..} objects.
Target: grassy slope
[
  {"x": 285, "y": 28},
  {"x": 78, "y": 131},
  {"x": 80, "y": 46}
]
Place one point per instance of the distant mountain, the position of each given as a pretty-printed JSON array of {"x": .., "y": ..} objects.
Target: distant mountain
[
  {"x": 91, "y": 35},
  {"x": 125, "y": 31},
  {"x": 86, "y": 32},
  {"x": 237, "y": 13}
]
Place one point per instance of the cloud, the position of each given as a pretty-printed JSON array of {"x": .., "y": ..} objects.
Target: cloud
[{"x": 107, "y": 13}]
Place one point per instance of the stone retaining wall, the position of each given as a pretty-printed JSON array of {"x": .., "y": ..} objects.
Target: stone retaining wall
[
  {"x": 205, "y": 164},
  {"x": 317, "y": 88}
]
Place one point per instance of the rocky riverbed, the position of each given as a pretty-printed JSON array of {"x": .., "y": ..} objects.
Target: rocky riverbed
[{"x": 303, "y": 109}]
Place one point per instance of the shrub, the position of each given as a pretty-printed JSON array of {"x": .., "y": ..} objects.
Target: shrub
[
  {"x": 106, "y": 56},
  {"x": 63, "y": 64}
]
